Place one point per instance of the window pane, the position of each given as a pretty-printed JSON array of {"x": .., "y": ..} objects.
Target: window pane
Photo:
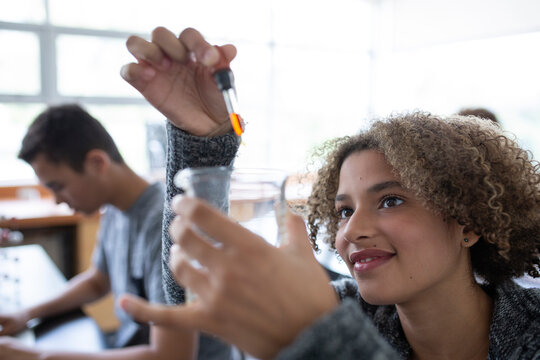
[
  {"x": 253, "y": 76},
  {"x": 90, "y": 66},
  {"x": 99, "y": 14},
  {"x": 308, "y": 102},
  {"x": 226, "y": 17},
  {"x": 501, "y": 74},
  {"x": 339, "y": 24},
  {"x": 15, "y": 120},
  {"x": 317, "y": 100},
  {"x": 20, "y": 70},
  {"x": 252, "y": 72},
  {"x": 127, "y": 124},
  {"x": 22, "y": 11},
  {"x": 232, "y": 20}
]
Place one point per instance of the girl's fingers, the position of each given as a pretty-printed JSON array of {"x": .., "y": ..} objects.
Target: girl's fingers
[
  {"x": 204, "y": 52},
  {"x": 169, "y": 44},
  {"x": 214, "y": 223},
  {"x": 196, "y": 279},
  {"x": 145, "y": 51},
  {"x": 165, "y": 46},
  {"x": 229, "y": 51},
  {"x": 195, "y": 243},
  {"x": 183, "y": 317},
  {"x": 138, "y": 75},
  {"x": 298, "y": 241}
]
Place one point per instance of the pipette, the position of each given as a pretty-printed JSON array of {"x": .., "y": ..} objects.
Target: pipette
[{"x": 225, "y": 82}]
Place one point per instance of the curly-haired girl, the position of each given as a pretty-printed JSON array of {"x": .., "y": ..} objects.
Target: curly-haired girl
[{"x": 433, "y": 217}]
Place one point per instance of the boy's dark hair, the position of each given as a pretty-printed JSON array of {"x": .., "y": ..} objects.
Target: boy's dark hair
[{"x": 66, "y": 133}]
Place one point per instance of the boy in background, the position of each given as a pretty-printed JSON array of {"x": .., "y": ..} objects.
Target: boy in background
[{"x": 73, "y": 156}]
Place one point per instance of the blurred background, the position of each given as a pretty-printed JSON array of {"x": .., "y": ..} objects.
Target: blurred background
[{"x": 306, "y": 70}]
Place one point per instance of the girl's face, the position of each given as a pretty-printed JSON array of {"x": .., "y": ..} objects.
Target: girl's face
[{"x": 395, "y": 248}]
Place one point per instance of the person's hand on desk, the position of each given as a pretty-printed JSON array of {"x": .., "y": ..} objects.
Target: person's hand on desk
[
  {"x": 11, "y": 349},
  {"x": 251, "y": 294},
  {"x": 14, "y": 322},
  {"x": 175, "y": 75}
]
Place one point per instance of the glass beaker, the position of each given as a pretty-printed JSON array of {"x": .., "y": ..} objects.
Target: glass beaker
[{"x": 255, "y": 198}]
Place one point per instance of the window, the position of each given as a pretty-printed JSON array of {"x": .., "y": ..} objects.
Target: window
[
  {"x": 68, "y": 51},
  {"x": 22, "y": 63},
  {"x": 306, "y": 70},
  {"x": 89, "y": 66},
  {"x": 15, "y": 118},
  {"x": 23, "y": 11}
]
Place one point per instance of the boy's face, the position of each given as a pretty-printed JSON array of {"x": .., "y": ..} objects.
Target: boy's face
[{"x": 81, "y": 191}]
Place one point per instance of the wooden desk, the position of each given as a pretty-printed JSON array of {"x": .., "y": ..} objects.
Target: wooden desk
[
  {"x": 28, "y": 277},
  {"x": 32, "y": 210},
  {"x": 33, "y": 206},
  {"x": 36, "y": 213}
]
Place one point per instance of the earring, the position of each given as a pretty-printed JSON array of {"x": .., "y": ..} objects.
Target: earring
[{"x": 466, "y": 240}]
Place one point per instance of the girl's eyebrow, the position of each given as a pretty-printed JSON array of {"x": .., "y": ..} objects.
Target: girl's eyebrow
[
  {"x": 372, "y": 189},
  {"x": 383, "y": 186},
  {"x": 341, "y": 197}
]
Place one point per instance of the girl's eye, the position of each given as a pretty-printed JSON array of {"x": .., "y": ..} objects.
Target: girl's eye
[
  {"x": 391, "y": 201},
  {"x": 344, "y": 213}
]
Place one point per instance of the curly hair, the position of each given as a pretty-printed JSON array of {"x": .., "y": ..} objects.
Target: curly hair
[
  {"x": 460, "y": 167},
  {"x": 481, "y": 113}
]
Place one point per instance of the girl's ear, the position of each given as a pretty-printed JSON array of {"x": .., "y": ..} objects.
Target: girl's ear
[{"x": 469, "y": 238}]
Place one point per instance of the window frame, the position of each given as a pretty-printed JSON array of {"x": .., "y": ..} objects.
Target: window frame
[{"x": 47, "y": 35}]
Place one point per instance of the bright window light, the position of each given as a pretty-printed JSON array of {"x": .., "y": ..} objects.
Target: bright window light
[
  {"x": 20, "y": 71},
  {"x": 90, "y": 66},
  {"x": 22, "y": 11},
  {"x": 306, "y": 70}
]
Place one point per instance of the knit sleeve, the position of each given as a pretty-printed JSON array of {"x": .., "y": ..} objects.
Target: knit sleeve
[
  {"x": 185, "y": 150},
  {"x": 345, "y": 333}
]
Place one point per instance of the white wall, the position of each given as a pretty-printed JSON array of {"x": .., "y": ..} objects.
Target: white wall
[
  {"x": 441, "y": 56},
  {"x": 419, "y": 23}
]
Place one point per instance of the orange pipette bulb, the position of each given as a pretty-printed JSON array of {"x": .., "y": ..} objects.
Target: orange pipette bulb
[{"x": 237, "y": 123}]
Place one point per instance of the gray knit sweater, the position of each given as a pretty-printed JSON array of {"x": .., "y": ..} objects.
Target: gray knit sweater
[
  {"x": 184, "y": 151},
  {"x": 353, "y": 330}
]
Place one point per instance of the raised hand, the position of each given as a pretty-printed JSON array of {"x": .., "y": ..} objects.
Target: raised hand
[
  {"x": 175, "y": 75},
  {"x": 250, "y": 293}
]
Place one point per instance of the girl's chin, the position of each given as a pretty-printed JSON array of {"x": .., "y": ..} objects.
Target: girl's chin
[
  {"x": 374, "y": 296},
  {"x": 378, "y": 301}
]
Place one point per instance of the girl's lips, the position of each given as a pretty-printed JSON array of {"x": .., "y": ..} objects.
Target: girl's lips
[{"x": 369, "y": 259}]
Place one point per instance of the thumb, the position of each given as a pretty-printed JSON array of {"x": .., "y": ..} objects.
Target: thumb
[
  {"x": 229, "y": 51},
  {"x": 179, "y": 317},
  {"x": 297, "y": 237}
]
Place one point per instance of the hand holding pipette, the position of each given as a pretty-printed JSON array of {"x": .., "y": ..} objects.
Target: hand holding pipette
[{"x": 175, "y": 75}]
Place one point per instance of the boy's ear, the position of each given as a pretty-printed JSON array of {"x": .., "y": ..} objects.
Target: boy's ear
[{"x": 97, "y": 161}]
